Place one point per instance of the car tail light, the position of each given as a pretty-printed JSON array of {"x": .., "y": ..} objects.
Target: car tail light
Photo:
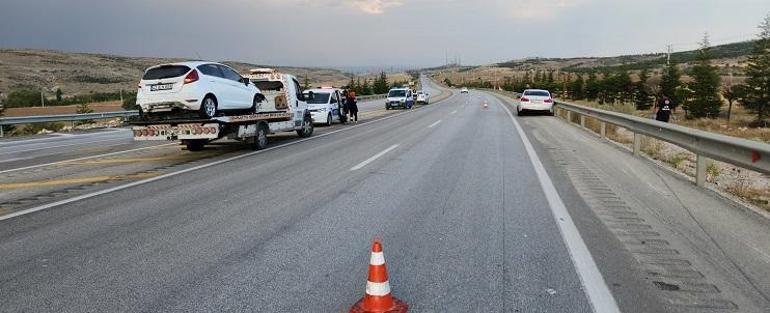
[
  {"x": 548, "y": 100},
  {"x": 191, "y": 77},
  {"x": 523, "y": 99}
]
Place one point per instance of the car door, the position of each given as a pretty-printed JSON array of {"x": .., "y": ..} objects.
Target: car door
[
  {"x": 238, "y": 94},
  {"x": 334, "y": 104},
  {"x": 214, "y": 79}
]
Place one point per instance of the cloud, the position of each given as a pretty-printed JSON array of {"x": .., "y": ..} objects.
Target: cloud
[
  {"x": 529, "y": 9},
  {"x": 375, "y": 6}
]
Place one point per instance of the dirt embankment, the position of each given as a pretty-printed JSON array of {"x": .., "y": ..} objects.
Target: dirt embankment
[{"x": 110, "y": 106}]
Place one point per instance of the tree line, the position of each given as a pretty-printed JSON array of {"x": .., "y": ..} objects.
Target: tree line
[
  {"x": 377, "y": 86},
  {"x": 30, "y": 98}
]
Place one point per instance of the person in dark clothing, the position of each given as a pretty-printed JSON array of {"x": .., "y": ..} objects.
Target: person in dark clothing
[
  {"x": 350, "y": 102},
  {"x": 663, "y": 109}
]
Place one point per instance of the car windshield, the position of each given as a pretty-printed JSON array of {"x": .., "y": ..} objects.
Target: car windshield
[
  {"x": 537, "y": 93},
  {"x": 166, "y": 71},
  {"x": 397, "y": 93},
  {"x": 318, "y": 98},
  {"x": 269, "y": 85}
]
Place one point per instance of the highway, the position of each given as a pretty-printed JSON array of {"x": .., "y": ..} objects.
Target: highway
[{"x": 478, "y": 211}]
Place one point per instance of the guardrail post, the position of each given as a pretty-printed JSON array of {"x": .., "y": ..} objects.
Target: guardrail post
[
  {"x": 637, "y": 144},
  {"x": 569, "y": 116},
  {"x": 603, "y": 129},
  {"x": 1, "y": 130},
  {"x": 700, "y": 170},
  {"x": 582, "y": 121}
]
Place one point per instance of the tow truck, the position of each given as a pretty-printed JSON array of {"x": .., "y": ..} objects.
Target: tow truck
[{"x": 283, "y": 110}]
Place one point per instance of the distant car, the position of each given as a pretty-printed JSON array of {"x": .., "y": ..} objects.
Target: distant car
[
  {"x": 208, "y": 88},
  {"x": 399, "y": 98},
  {"x": 423, "y": 97},
  {"x": 464, "y": 90},
  {"x": 324, "y": 106},
  {"x": 535, "y": 100}
]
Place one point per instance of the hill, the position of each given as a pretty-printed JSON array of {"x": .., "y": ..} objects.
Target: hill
[{"x": 83, "y": 73}]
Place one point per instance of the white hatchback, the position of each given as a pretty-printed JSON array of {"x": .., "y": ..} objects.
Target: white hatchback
[
  {"x": 535, "y": 100},
  {"x": 206, "y": 88}
]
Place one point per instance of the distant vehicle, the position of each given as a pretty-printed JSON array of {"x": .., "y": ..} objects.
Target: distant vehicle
[
  {"x": 206, "y": 88},
  {"x": 535, "y": 100},
  {"x": 423, "y": 97},
  {"x": 283, "y": 109},
  {"x": 464, "y": 90},
  {"x": 324, "y": 106},
  {"x": 399, "y": 98}
]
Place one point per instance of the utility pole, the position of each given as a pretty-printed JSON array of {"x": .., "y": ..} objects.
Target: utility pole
[
  {"x": 42, "y": 98},
  {"x": 668, "y": 56}
]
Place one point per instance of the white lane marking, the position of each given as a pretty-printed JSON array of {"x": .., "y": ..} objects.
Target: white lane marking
[
  {"x": 453, "y": 112},
  {"x": 596, "y": 289},
  {"x": 60, "y": 146},
  {"x": 434, "y": 124},
  {"x": 83, "y": 158},
  {"x": 202, "y": 166},
  {"x": 374, "y": 157}
]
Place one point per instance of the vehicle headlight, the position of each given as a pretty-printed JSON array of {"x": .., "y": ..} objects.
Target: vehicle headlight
[
  {"x": 403, "y": 100},
  {"x": 322, "y": 110}
]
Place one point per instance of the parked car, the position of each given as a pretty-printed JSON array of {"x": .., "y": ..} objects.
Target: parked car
[
  {"x": 464, "y": 90},
  {"x": 535, "y": 100},
  {"x": 206, "y": 88},
  {"x": 324, "y": 105},
  {"x": 399, "y": 98},
  {"x": 423, "y": 97}
]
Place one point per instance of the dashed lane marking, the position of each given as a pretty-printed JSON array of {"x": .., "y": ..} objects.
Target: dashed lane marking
[
  {"x": 434, "y": 124},
  {"x": 373, "y": 158}
]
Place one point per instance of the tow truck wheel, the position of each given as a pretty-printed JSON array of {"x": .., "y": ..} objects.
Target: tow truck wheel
[
  {"x": 329, "y": 120},
  {"x": 260, "y": 140},
  {"x": 209, "y": 107},
  {"x": 307, "y": 128},
  {"x": 195, "y": 144}
]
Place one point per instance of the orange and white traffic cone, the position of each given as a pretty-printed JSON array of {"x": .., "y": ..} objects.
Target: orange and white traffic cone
[{"x": 377, "y": 298}]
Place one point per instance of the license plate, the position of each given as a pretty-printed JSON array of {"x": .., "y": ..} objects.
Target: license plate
[{"x": 161, "y": 87}]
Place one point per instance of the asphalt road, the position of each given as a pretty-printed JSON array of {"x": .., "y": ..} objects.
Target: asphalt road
[{"x": 468, "y": 220}]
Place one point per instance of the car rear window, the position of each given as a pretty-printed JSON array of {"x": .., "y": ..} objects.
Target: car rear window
[
  {"x": 536, "y": 93},
  {"x": 166, "y": 71}
]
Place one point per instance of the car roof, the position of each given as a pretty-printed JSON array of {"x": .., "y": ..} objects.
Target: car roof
[
  {"x": 191, "y": 64},
  {"x": 400, "y": 89},
  {"x": 525, "y": 90},
  {"x": 322, "y": 90}
]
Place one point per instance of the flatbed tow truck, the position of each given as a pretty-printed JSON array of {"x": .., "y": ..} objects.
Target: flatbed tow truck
[{"x": 286, "y": 111}]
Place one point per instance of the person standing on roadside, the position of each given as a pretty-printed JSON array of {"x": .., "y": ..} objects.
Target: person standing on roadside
[
  {"x": 663, "y": 109},
  {"x": 350, "y": 102}
]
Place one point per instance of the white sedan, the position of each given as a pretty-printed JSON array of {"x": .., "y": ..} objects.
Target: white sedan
[
  {"x": 206, "y": 88},
  {"x": 535, "y": 100},
  {"x": 464, "y": 90},
  {"x": 423, "y": 97}
]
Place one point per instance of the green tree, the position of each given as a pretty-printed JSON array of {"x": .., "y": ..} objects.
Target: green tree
[
  {"x": 59, "y": 93},
  {"x": 642, "y": 98},
  {"x": 306, "y": 83},
  {"x": 448, "y": 82},
  {"x": 576, "y": 88},
  {"x": 705, "y": 101},
  {"x": 592, "y": 87},
  {"x": 669, "y": 83},
  {"x": 757, "y": 98},
  {"x": 380, "y": 84}
]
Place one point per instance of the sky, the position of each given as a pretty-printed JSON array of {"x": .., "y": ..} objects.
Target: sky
[{"x": 350, "y": 33}]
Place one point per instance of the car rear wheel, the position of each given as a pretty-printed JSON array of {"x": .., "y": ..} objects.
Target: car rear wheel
[
  {"x": 520, "y": 112},
  {"x": 260, "y": 138},
  {"x": 195, "y": 144},
  {"x": 208, "y": 107}
]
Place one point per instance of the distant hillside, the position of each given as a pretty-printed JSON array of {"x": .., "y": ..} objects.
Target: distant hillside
[
  {"x": 724, "y": 54},
  {"x": 82, "y": 73}
]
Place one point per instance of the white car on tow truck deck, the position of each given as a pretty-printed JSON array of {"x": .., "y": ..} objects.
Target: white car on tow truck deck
[
  {"x": 324, "y": 105},
  {"x": 283, "y": 109}
]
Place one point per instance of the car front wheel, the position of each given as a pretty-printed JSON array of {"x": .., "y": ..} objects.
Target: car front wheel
[{"x": 329, "y": 120}]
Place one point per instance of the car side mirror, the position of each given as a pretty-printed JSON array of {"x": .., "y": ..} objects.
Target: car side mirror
[
  {"x": 245, "y": 81},
  {"x": 260, "y": 97}
]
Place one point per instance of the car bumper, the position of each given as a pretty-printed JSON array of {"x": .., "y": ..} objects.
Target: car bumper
[
  {"x": 167, "y": 103},
  {"x": 535, "y": 107},
  {"x": 319, "y": 117}
]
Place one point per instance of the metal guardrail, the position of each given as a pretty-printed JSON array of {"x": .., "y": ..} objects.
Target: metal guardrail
[
  {"x": 62, "y": 118},
  {"x": 705, "y": 145}
]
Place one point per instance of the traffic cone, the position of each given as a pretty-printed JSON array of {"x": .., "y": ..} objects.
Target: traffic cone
[{"x": 377, "y": 298}]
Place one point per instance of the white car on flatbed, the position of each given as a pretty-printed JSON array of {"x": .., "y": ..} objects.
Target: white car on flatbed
[
  {"x": 535, "y": 100},
  {"x": 185, "y": 89},
  {"x": 324, "y": 105},
  {"x": 283, "y": 109}
]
